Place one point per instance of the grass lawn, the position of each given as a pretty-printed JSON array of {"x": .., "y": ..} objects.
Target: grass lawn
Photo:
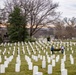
[{"x": 38, "y": 49}]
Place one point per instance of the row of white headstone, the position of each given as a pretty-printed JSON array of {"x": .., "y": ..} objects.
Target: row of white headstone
[
  {"x": 30, "y": 64},
  {"x": 5, "y": 65}
]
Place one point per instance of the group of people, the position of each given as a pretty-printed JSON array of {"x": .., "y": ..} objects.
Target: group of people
[{"x": 62, "y": 49}]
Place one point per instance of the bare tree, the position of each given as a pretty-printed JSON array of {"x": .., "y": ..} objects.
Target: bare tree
[
  {"x": 2, "y": 15},
  {"x": 70, "y": 21},
  {"x": 37, "y": 13},
  {"x": 59, "y": 29},
  {"x": 70, "y": 26}
]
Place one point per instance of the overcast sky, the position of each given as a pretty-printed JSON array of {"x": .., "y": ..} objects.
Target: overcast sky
[
  {"x": 1, "y": 3},
  {"x": 66, "y": 7}
]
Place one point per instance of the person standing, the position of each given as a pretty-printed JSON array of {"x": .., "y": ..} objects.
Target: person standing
[
  {"x": 52, "y": 49},
  {"x": 62, "y": 49}
]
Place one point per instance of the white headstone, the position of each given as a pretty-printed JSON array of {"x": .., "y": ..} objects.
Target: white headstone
[
  {"x": 49, "y": 69},
  {"x": 62, "y": 60},
  {"x": 72, "y": 52},
  {"x": 64, "y": 72},
  {"x": 35, "y": 70},
  {"x": 2, "y": 68},
  {"x": 43, "y": 57},
  {"x": 30, "y": 66},
  {"x": 62, "y": 66},
  {"x": 39, "y": 73},
  {"x": 72, "y": 61},
  {"x": 43, "y": 64},
  {"x": 64, "y": 57},
  {"x": 48, "y": 59},
  {"x": 6, "y": 64},
  {"x": 57, "y": 58},
  {"x": 53, "y": 62},
  {"x": 17, "y": 68}
]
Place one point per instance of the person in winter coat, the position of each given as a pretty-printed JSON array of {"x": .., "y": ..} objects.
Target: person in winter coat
[{"x": 52, "y": 49}]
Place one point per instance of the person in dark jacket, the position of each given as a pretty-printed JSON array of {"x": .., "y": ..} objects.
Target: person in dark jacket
[{"x": 52, "y": 49}]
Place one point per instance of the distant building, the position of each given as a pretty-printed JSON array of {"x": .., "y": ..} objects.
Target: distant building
[{"x": 45, "y": 32}]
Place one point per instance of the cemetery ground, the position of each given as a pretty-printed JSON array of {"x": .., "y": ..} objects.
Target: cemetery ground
[{"x": 30, "y": 57}]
